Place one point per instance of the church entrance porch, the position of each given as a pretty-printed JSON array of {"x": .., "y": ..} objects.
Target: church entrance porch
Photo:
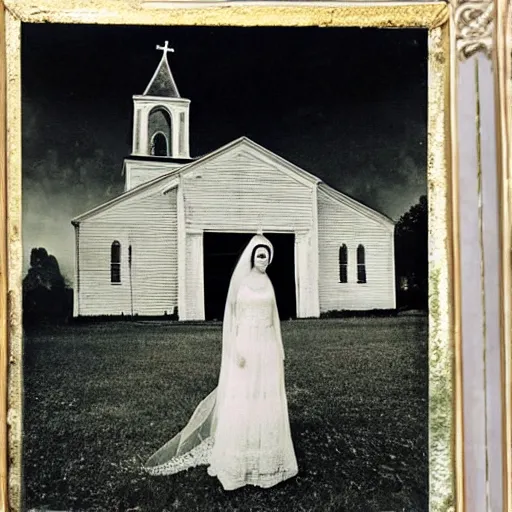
[{"x": 220, "y": 255}]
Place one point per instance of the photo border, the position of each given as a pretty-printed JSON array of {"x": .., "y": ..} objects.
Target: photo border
[{"x": 446, "y": 466}]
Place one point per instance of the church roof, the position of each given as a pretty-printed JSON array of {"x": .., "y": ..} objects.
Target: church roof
[
  {"x": 118, "y": 199},
  {"x": 354, "y": 203},
  {"x": 303, "y": 175},
  {"x": 162, "y": 83},
  {"x": 247, "y": 143}
]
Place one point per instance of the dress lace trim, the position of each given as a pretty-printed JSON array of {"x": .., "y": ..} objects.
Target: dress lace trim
[
  {"x": 198, "y": 456},
  {"x": 232, "y": 479}
]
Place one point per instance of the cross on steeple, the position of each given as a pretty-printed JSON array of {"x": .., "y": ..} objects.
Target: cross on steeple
[
  {"x": 166, "y": 49},
  {"x": 162, "y": 83}
]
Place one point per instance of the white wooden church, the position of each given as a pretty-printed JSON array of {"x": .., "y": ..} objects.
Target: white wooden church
[{"x": 168, "y": 244}]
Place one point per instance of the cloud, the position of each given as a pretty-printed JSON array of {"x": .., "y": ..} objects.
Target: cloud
[{"x": 56, "y": 188}]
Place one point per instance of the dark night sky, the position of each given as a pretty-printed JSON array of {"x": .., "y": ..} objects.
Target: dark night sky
[{"x": 348, "y": 105}]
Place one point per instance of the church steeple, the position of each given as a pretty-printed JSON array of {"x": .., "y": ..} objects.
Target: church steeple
[
  {"x": 162, "y": 83},
  {"x": 161, "y": 115}
]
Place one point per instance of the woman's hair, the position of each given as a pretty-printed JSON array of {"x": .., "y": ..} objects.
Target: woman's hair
[{"x": 259, "y": 246}]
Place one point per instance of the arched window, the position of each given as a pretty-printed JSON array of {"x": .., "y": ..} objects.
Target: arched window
[
  {"x": 361, "y": 265},
  {"x": 115, "y": 262},
  {"x": 343, "y": 262},
  {"x": 159, "y": 146},
  {"x": 160, "y": 132}
]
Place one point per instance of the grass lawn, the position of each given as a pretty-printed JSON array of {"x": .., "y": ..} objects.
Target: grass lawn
[{"x": 99, "y": 399}]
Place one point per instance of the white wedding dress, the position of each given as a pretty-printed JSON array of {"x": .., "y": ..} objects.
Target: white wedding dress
[{"x": 241, "y": 430}]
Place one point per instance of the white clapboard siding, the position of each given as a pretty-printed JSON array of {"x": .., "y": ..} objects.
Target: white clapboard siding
[
  {"x": 241, "y": 192},
  {"x": 140, "y": 171},
  {"x": 148, "y": 224},
  {"x": 339, "y": 224},
  {"x": 239, "y": 188}
]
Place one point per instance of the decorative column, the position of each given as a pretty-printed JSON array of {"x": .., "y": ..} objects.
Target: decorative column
[
  {"x": 195, "y": 276},
  {"x": 143, "y": 131},
  {"x": 306, "y": 278},
  {"x": 480, "y": 274},
  {"x": 174, "y": 143}
]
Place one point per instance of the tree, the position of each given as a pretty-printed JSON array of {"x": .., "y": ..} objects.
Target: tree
[
  {"x": 46, "y": 297},
  {"x": 411, "y": 256}
]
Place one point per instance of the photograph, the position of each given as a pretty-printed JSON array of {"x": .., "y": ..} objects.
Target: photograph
[{"x": 225, "y": 291}]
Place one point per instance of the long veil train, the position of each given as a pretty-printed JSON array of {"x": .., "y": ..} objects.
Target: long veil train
[{"x": 193, "y": 445}]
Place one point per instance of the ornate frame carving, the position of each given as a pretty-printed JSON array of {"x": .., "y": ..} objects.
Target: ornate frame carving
[
  {"x": 474, "y": 21},
  {"x": 485, "y": 26}
]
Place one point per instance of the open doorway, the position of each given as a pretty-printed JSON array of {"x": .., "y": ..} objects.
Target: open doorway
[{"x": 221, "y": 253}]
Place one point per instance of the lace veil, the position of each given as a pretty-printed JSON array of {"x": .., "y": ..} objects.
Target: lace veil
[{"x": 191, "y": 446}]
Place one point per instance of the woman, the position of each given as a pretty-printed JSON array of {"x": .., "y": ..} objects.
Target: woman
[{"x": 241, "y": 430}]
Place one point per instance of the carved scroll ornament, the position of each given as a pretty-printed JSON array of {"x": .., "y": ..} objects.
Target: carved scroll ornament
[{"x": 474, "y": 22}]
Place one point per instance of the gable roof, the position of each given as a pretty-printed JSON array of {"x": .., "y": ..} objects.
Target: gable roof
[
  {"x": 246, "y": 143},
  {"x": 120, "y": 198},
  {"x": 167, "y": 181},
  {"x": 355, "y": 204}
]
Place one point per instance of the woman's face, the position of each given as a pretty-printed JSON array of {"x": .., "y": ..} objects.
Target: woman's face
[{"x": 261, "y": 259}]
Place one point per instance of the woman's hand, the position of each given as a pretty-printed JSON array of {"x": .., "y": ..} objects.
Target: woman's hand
[{"x": 240, "y": 360}]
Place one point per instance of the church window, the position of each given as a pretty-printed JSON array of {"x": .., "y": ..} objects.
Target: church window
[
  {"x": 343, "y": 262},
  {"x": 159, "y": 146},
  {"x": 115, "y": 262},
  {"x": 361, "y": 264},
  {"x": 160, "y": 130}
]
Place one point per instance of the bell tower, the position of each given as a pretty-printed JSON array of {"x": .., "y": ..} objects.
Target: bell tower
[{"x": 161, "y": 115}]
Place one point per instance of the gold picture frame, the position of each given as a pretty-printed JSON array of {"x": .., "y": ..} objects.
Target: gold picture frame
[
  {"x": 503, "y": 96},
  {"x": 457, "y": 33}
]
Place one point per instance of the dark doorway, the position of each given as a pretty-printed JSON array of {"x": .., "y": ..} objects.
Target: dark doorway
[{"x": 221, "y": 253}]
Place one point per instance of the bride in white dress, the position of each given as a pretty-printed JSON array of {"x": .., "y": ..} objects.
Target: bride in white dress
[{"x": 241, "y": 429}]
